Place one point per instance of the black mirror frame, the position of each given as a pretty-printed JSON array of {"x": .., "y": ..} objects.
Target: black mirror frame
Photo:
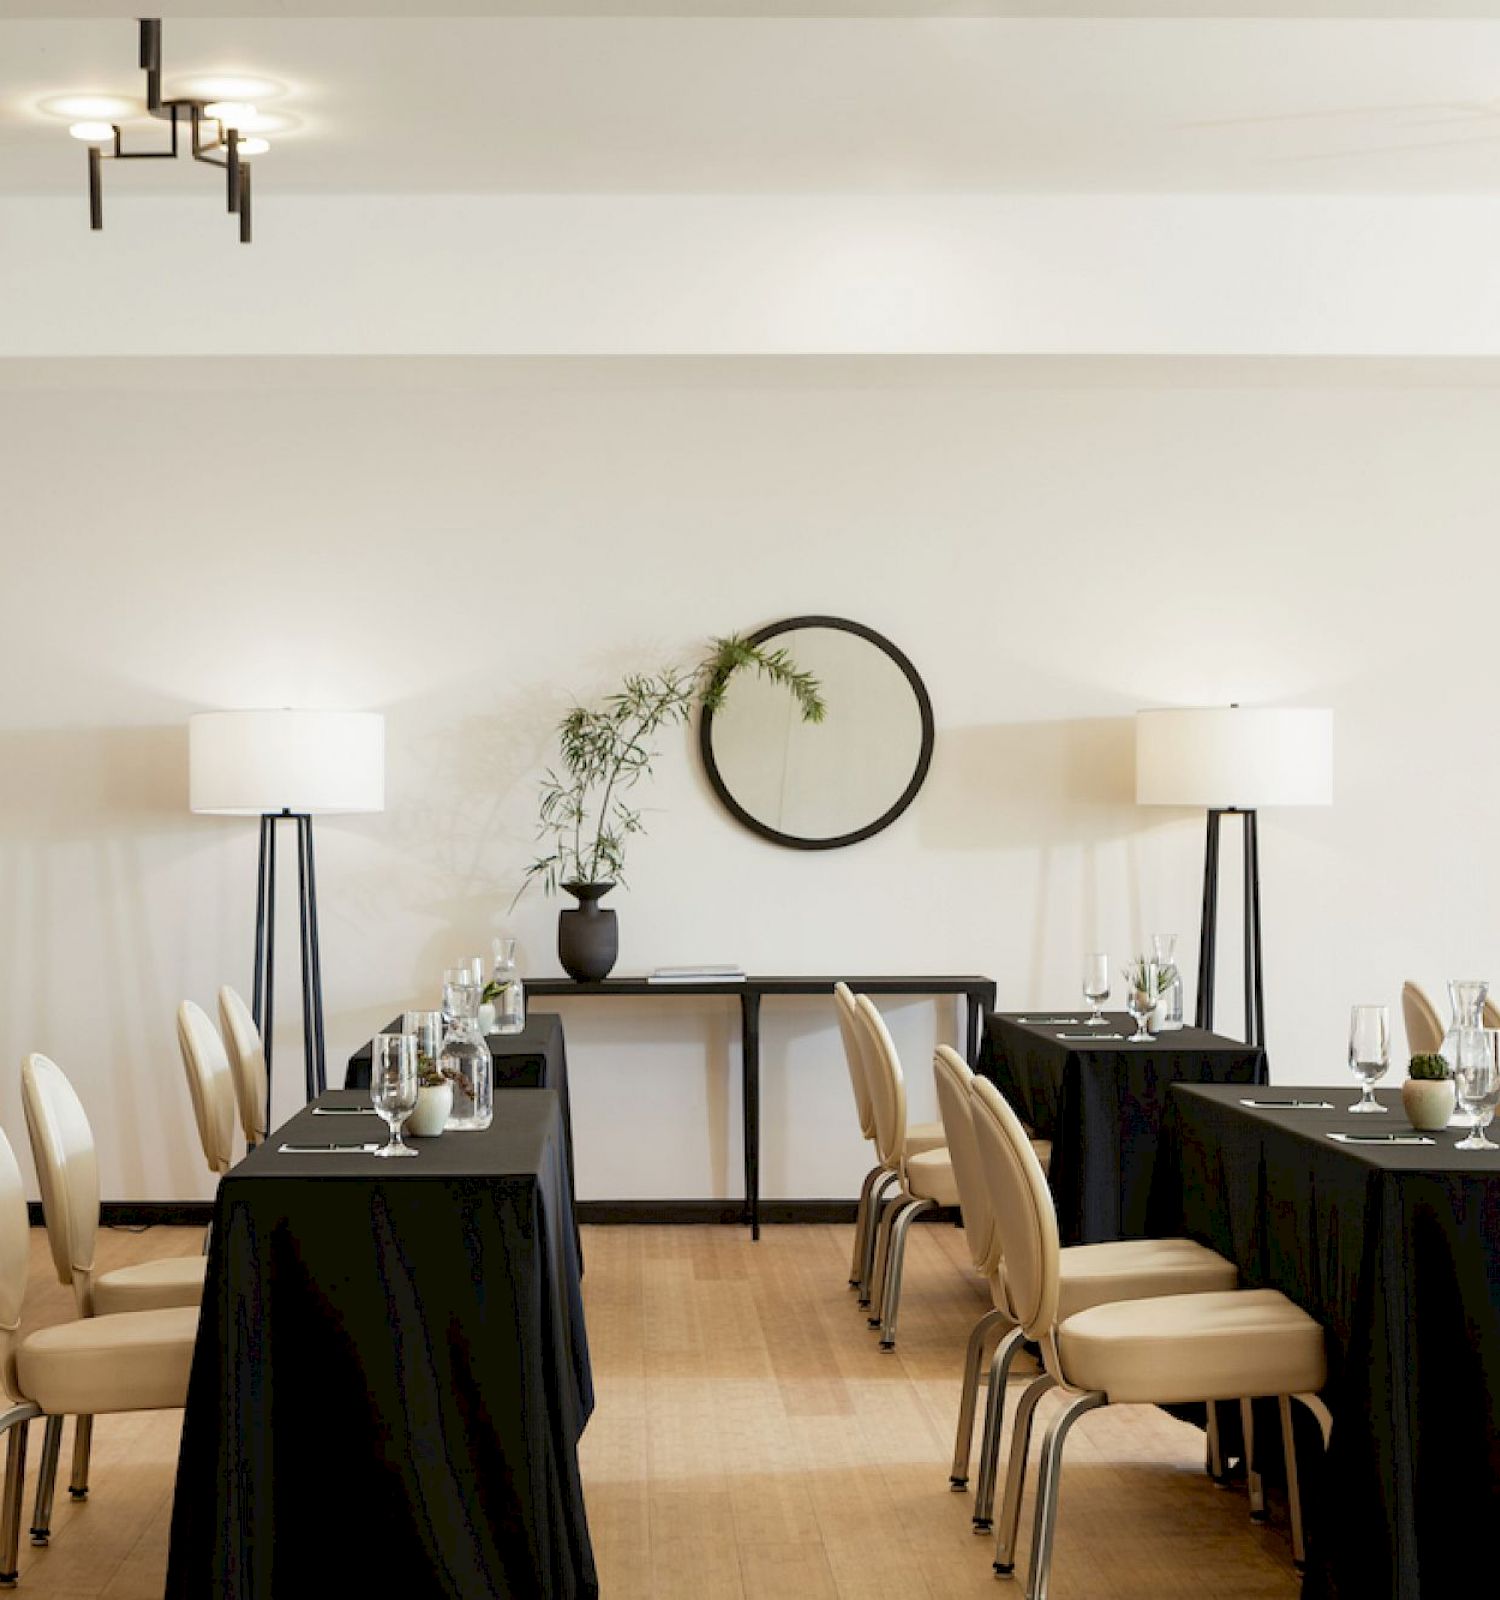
[{"x": 919, "y": 776}]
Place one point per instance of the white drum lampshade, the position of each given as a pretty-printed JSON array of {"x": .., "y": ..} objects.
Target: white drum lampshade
[
  {"x": 1237, "y": 758},
  {"x": 262, "y": 763}
]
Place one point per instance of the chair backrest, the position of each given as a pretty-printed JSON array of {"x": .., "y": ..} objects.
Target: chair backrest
[
  {"x": 1424, "y": 1028},
  {"x": 67, "y": 1169},
  {"x": 247, "y": 1063},
  {"x": 953, "y": 1077},
  {"x": 844, "y": 1006},
  {"x": 210, "y": 1084},
  {"x": 15, "y": 1260},
  {"x": 1025, "y": 1217},
  {"x": 887, "y": 1086}
]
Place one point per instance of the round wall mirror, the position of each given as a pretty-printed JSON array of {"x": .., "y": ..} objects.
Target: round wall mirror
[{"x": 819, "y": 785}]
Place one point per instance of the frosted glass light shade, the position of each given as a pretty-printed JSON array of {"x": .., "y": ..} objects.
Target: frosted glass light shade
[
  {"x": 1234, "y": 757},
  {"x": 248, "y": 763}
]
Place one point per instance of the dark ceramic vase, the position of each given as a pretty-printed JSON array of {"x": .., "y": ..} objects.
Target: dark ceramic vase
[{"x": 588, "y": 938}]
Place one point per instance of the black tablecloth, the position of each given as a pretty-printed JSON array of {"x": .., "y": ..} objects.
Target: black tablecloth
[
  {"x": 1396, "y": 1251},
  {"x": 1100, "y": 1103},
  {"x": 391, "y": 1373}
]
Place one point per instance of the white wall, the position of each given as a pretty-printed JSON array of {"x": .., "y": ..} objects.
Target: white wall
[
  {"x": 465, "y": 544},
  {"x": 772, "y": 274}
]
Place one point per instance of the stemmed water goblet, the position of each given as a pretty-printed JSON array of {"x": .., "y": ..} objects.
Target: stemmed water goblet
[
  {"x": 393, "y": 1086},
  {"x": 1476, "y": 1076},
  {"x": 1142, "y": 996},
  {"x": 1096, "y": 987},
  {"x": 1369, "y": 1052}
]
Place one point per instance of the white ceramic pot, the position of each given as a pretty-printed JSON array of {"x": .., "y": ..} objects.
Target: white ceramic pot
[
  {"x": 434, "y": 1106},
  {"x": 1428, "y": 1102},
  {"x": 487, "y": 1019}
]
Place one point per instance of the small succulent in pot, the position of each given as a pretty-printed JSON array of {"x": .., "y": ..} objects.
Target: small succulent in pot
[
  {"x": 436, "y": 1086},
  {"x": 1430, "y": 1067},
  {"x": 1428, "y": 1095}
]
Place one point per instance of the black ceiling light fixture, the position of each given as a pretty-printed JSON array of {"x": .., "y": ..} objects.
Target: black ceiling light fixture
[{"x": 217, "y": 128}]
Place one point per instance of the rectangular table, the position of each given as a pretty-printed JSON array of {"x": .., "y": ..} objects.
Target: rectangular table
[
  {"x": 392, "y": 1373},
  {"x": 978, "y": 991},
  {"x": 1396, "y": 1252},
  {"x": 1100, "y": 1102}
]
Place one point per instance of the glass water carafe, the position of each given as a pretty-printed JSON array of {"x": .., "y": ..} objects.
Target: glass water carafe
[
  {"x": 1164, "y": 947},
  {"x": 1466, "y": 998},
  {"x": 466, "y": 1057},
  {"x": 507, "y": 992}
]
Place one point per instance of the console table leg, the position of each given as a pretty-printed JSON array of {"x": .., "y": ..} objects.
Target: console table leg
[
  {"x": 750, "y": 1070},
  {"x": 975, "y": 1011}
]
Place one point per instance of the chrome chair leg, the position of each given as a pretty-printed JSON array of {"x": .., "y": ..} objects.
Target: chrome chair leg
[
  {"x": 890, "y": 1304},
  {"x": 83, "y": 1434},
  {"x": 879, "y": 1206},
  {"x": 1015, "y": 1477},
  {"x": 1293, "y": 1487},
  {"x": 994, "y": 1422},
  {"x": 10, "y": 1510},
  {"x": 958, "y": 1478},
  {"x": 861, "y": 1226},
  {"x": 1214, "y": 1461},
  {"x": 1252, "y": 1475},
  {"x": 46, "y": 1481},
  {"x": 1048, "y": 1482},
  {"x": 893, "y": 1209}
]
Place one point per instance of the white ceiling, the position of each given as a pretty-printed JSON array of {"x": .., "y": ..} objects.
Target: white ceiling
[{"x": 764, "y": 105}]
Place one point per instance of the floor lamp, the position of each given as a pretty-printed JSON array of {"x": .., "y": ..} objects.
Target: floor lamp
[
  {"x": 287, "y": 766},
  {"x": 1233, "y": 761}
]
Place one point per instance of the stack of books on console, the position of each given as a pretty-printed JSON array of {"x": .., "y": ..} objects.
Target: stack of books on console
[{"x": 710, "y": 972}]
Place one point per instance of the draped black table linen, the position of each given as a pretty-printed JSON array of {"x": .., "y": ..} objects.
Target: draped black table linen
[
  {"x": 391, "y": 1374},
  {"x": 1395, "y": 1249},
  {"x": 1100, "y": 1103}
]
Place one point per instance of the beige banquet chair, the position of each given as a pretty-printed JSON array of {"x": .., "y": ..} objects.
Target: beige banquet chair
[
  {"x": 921, "y": 1136},
  {"x": 1424, "y": 1028},
  {"x": 1126, "y": 1269},
  {"x": 210, "y": 1083},
  {"x": 924, "y": 1178},
  {"x": 67, "y": 1169},
  {"x": 1169, "y": 1349},
  {"x": 247, "y": 1063},
  {"x": 94, "y": 1366}
]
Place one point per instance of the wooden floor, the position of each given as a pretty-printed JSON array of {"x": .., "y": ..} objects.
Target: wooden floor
[{"x": 752, "y": 1443}]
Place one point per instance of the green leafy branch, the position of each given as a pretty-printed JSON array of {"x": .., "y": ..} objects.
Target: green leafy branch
[{"x": 607, "y": 749}]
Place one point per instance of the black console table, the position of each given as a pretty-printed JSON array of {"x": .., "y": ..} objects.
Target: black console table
[{"x": 980, "y": 993}]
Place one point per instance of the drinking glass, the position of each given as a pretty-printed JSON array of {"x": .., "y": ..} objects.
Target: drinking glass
[
  {"x": 1369, "y": 1052},
  {"x": 393, "y": 1086},
  {"x": 426, "y": 1027},
  {"x": 1466, "y": 997},
  {"x": 457, "y": 982},
  {"x": 1096, "y": 987},
  {"x": 1140, "y": 1003},
  {"x": 1476, "y": 1076}
]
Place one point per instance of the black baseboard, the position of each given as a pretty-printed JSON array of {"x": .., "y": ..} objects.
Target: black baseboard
[
  {"x": 676, "y": 1213},
  {"x": 143, "y": 1213},
  {"x": 605, "y": 1213}
]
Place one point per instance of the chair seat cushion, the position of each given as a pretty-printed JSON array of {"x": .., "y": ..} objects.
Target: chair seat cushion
[
  {"x": 137, "y": 1361},
  {"x": 929, "y": 1176},
  {"x": 151, "y": 1285},
  {"x": 1194, "y": 1347},
  {"x": 1135, "y": 1269},
  {"x": 922, "y": 1136}
]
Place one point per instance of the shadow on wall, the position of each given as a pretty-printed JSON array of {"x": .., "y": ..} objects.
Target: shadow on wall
[
  {"x": 1061, "y": 790},
  {"x": 92, "y": 817}
]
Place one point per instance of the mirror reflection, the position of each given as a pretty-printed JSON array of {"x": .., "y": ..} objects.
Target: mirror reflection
[{"x": 817, "y": 785}]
